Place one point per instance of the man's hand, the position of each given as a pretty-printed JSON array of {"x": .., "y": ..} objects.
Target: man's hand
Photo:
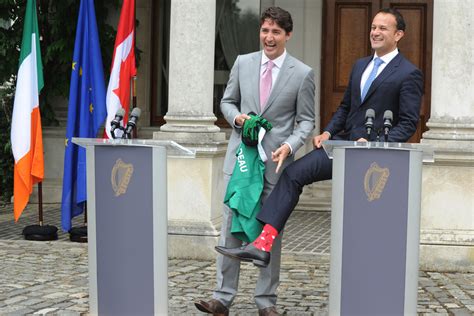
[
  {"x": 318, "y": 139},
  {"x": 240, "y": 119},
  {"x": 280, "y": 155},
  {"x": 362, "y": 140}
]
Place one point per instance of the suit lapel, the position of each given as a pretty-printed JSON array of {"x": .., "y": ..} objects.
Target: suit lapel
[
  {"x": 386, "y": 72},
  {"x": 358, "y": 75},
  {"x": 255, "y": 80},
  {"x": 284, "y": 75}
]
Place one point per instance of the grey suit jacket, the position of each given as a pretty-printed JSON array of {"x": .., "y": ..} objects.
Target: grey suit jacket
[{"x": 290, "y": 106}]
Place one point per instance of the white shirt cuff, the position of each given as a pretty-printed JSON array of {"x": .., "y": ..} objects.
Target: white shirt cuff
[{"x": 235, "y": 124}]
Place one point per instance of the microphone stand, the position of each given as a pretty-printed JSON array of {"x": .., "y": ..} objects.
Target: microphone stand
[
  {"x": 369, "y": 130},
  {"x": 387, "y": 123},
  {"x": 120, "y": 128},
  {"x": 386, "y": 131},
  {"x": 128, "y": 135}
]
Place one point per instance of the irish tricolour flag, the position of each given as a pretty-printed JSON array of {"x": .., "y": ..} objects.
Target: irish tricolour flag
[{"x": 26, "y": 137}]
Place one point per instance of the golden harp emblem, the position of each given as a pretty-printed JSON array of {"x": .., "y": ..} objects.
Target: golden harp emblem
[
  {"x": 120, "y": 177},
  {"x": 375, "y": 180}
]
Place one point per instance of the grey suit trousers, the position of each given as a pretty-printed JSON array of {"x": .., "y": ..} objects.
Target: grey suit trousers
[{"x": 228, "y": 269}]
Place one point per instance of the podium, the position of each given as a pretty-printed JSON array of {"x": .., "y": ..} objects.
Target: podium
[
  {"x": 375, "y": 225},
  {"x": 128, "y": 224}
]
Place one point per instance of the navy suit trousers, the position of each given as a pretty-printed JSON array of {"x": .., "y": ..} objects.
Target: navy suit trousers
[{"x": 314, "y": 166}]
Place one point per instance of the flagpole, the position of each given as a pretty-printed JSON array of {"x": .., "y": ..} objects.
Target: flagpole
[
  {"x": 134, "y": 78},
  {"x": 40, "y": 184},
  {"x": 40, "y": 202},
  {"x": 134, "y": 91},
  {"x": 134, "y": 102}
]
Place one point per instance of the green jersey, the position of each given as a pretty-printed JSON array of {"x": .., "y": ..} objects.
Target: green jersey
[{"x": 244, "y": 192}]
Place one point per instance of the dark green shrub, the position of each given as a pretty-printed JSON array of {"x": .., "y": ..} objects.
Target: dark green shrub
[{"x": 57, "y": 23}]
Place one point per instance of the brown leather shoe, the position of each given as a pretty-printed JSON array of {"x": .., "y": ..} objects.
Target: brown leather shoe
[
  {"x": 213, "y": 307},
  {"x": 269, "y": 311}
]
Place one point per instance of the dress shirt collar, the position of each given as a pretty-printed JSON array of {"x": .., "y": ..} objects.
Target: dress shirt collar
[
  {"x": 277, "y": 61},
  {"x": 388, "y": 57}
]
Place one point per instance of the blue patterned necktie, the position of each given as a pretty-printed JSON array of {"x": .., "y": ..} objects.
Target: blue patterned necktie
[{"x": 373, "y": 74}]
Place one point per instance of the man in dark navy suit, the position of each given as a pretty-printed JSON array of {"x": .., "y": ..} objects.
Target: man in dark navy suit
[{"x": 384, "y": 81}]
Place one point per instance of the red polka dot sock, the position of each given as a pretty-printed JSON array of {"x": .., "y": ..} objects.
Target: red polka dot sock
[{"x": 265, "y": 240}]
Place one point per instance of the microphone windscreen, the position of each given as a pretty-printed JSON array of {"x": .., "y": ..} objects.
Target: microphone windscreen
[
  {"x": 388, "y": 115},
  {"x": 120, "y": 112},
  {"x": 136, "y": 112},
  {"x": 370, "y": 113}
]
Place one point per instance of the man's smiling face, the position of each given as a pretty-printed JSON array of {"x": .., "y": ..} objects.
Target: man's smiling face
[
  {"x": 273, "y": 39},
  {"x": 384, "y": 35}
]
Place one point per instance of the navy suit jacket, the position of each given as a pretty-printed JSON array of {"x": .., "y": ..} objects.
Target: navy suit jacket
[{"x": 399, "y": 88}]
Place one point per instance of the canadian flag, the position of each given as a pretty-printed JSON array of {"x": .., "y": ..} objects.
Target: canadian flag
[{"x": 123, "y": 65}]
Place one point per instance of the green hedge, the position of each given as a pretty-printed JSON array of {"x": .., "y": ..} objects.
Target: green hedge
[{"x": 6, "y": 158}]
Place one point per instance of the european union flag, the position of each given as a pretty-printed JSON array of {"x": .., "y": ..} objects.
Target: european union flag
[{"x": 86, "y": 111}]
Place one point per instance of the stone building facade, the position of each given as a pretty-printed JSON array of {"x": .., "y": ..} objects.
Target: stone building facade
[{"x": 195, "y": 185}]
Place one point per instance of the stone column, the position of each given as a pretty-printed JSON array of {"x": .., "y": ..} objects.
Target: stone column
[
  {"x": 195, "y": 190},
  {"x": 191, "y": 75},
  {"x": 447, "y": 219}
]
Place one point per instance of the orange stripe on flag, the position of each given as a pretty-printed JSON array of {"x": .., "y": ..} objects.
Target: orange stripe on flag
[{"x": 30, "y": 168}]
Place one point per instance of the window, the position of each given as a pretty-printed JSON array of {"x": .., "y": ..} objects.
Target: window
[{"x": 237, "y": 27}]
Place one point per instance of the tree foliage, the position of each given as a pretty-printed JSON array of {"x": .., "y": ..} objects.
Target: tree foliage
[{"x": 57, "y": 23}]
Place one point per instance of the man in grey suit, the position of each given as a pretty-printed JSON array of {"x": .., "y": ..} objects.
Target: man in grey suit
[{"x": 280, "y": 88}]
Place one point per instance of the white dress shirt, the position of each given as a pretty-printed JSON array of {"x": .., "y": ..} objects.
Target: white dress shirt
[{"x": 386, "y": 59}]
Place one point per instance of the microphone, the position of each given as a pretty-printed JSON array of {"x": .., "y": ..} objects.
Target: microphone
[
  {"x": 369, "y": 121},
  {"x": 132, "y": 122},
  {"x": 387, "y": 122},
  {"x": 116, "y": 121}
]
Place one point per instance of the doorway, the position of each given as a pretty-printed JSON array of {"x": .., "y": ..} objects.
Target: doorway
[{"x": 346, "y": 28}]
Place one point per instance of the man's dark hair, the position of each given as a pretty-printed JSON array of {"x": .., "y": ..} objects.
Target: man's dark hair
[
  {"x": 398, "y": 16},
  {"x": 281, "y": 17}
]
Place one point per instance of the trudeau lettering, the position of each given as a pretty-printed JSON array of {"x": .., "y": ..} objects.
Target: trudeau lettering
[{"x": 241, "y": 161}]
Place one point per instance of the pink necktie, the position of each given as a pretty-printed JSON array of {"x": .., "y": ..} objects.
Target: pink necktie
[{"x": 266, "y": 84}]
